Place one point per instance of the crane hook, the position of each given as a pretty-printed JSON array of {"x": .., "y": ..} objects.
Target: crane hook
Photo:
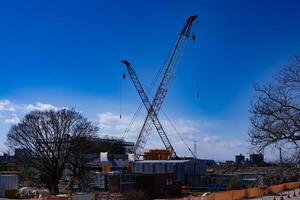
[{"x": 194, "y": 37}]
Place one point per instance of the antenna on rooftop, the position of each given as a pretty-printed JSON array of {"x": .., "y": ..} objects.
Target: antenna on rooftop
[{"x": 195, "y": 148}]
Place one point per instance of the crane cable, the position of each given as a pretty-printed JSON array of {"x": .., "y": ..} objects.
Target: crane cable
[
  {"x": 121, "y": 92},
  {"x": 196, "y": 50},
  {"x": 179, "y": 135},
  {"x": 176, "y": 130},
  {"x": 122, "y": 77}
]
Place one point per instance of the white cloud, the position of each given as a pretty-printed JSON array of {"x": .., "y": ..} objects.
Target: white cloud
[
  {"x": 14, "y": 119},
  {"x": 10, "y": 112},
  {"x": 212, "y": 138},
  {"x": 6, "y": 105},
  {"x": 108, "y": 119},
  {"x": 112, "y": 125},
  {"x": 40, "y": 106},
  {"x": 221, "y": 148}
]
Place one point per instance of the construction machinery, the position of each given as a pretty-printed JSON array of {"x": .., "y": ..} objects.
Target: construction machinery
[{"x": 154, "y": 107}]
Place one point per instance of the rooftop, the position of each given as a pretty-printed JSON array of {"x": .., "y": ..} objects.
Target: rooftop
[{"x": 161, "y": 161}]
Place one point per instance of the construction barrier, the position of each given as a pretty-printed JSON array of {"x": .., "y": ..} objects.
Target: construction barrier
[
  {"x": 239, "y": 194},
  {"x": 250, "y": 192},
  {"x": 57, "y": 198},
  {"x": 227, "y": 195},
  {"x": 254, "y": 192}
]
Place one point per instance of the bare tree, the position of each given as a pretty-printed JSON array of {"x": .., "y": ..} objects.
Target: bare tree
[
  {"x": 275, "y": 115},
  {"x": 77, "y": 161},
  {"x": 51, "y": 137}
]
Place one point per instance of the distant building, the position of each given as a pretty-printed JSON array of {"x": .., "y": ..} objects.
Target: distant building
[
  {"x": 117, "y": 158},
  {"x": 256, "y": 158},
  {"x": 247, "y": 161},
  {"x": 209, "y": 162},
  {"x": 239, "y": 159},
  {"x": 11, "y": 163},
  {"x": 114, "y": 146},
  {"x": 5, "y": 158},
  {"x": 229, "y": 162},
  {"x": 19, "y": 155}
]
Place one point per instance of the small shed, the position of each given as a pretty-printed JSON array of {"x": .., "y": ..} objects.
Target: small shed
[
  {"x": 120, "y": 182},
  {"x": 157, "y": 185}
]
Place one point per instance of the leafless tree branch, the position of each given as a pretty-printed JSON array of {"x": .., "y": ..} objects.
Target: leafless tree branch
[{"x": 54, "y": 139}]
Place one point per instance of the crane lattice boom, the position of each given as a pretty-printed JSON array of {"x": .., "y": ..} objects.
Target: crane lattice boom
[
  {"x": 153, "y": 109},
  {"x": 163, "y": 88},
  {"x": 149, "y": 108}
]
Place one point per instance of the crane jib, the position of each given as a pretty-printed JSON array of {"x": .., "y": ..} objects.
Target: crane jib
[{"x": 160, "y": 94}]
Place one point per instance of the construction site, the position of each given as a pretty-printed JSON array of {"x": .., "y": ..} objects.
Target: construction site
[{"x": 116, "y": 168}]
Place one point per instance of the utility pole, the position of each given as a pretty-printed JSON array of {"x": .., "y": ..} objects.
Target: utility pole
[
  {"x": 281, "y": 170},
  {"x": 195, "y": 149}
]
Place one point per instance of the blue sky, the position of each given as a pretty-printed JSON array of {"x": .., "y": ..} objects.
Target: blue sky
[{"x": 67, "y": 54}]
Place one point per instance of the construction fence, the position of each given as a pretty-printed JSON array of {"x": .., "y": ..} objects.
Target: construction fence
[{"x": 251, "y": 192}]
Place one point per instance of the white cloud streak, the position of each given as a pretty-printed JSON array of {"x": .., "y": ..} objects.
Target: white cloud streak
[
  {"x": 10, "y": 112},
  {"x": 13, "y": 119},
  {"x": 6, "y": 105},
  {"x": 40, "y": 106}
]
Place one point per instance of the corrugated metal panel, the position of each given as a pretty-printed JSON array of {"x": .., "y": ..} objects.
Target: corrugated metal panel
[
  {"x": 8, "y": 182},
  {"x": 121, "y": 182},
  {"x": 162, "y": 161},
  {"x": 100, "y": 180},
  {"x": 195, "y": 182},
  {"x": 148, "y": 168},
  {"x": 195, "y": 167},
  {"x": 159, "y": 168},
  {"x": 170, "y": 167},
  {"x": 153, "y": 168},
  {"x": 180, "y": 172},
  {"x": 127, "y": 182},
  {"x": 137, "y": 168}
]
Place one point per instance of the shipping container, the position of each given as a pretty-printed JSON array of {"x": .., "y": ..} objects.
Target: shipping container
[
  {"x": 8, "y": 182},
  {"x": 170, "y": 166},
  {"x": 187, "y": 172}
]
